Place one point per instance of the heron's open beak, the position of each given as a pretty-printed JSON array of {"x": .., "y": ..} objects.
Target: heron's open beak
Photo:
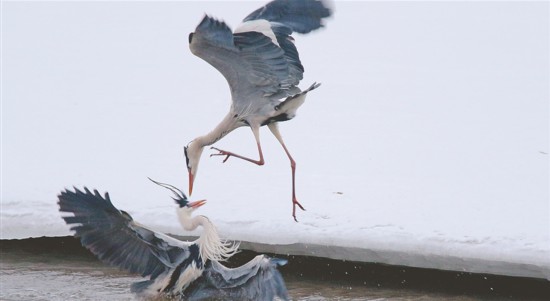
[
  {"x": 191, "y": 179},
  {"x": 197, "y": 204}
]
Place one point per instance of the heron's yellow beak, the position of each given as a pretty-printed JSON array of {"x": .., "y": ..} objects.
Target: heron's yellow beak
[{"x": 196, "y": 204}]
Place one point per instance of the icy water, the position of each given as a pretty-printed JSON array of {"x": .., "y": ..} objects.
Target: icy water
[{"x": 59, "y": 269}]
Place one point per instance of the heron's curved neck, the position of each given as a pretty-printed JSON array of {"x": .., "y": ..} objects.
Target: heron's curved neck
[
  {"x": 191, "y": 224},
  {"x": 210, "y": 245},
  {"x": 228, "y": 124}
]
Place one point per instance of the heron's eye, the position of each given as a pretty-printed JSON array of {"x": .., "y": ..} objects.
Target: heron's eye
[
  {"x": 186, "y": 156},
  {"x": 182, "y": 202}
]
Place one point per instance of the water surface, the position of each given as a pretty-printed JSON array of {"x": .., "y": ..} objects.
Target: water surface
[{"x": 59, "y": 269}]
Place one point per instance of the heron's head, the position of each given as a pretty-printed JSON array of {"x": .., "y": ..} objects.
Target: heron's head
[
  {"x": 181, "y": 198},
  {"x": 193, "y": 152}
]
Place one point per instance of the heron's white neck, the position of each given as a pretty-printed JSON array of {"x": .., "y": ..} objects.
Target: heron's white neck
[
  {"x": 228, "y": 124},
  {"x": 210, "y": 245}
]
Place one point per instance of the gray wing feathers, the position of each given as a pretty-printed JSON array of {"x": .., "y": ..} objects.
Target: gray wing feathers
[
  {"x": 259, "y": 279},
  {"x": 301, "y": 16},
  {"x": 215, "y": 32},
  {"x": 286, "y": 42},
  {"x": 267, "y": 65},
  {"x": 249, "y": 61},
  {"x": 212, "y": 41},
  {"x": 115, "y": 238},
  {"x": 252, "y": 64}
]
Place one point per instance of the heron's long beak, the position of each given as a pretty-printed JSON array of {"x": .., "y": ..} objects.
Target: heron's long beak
[
  {"x": 191, "y": 179},
  {"x": 197, "y": 204}
]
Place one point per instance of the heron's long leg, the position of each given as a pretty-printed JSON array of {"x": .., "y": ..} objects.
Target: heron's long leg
[
  {"x": 275, "y": 130},
  {"x": 256, "y": 131}
]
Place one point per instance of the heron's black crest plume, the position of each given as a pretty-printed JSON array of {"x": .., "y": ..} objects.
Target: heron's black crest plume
[{"x": 181, "y": 198}]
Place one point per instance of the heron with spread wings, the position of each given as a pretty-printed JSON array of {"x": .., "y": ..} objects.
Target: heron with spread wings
[
  {"x": 177, "y": 270},
  {"x": 262, "y": 67}
]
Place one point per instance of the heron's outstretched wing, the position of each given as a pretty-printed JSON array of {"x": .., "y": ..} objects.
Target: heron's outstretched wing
[
  {"x": 287, "y": 16},
  {"x": 300, "y": 16},
  {"x": 250, "y": 62},
  {"x": 114, "y": 237},
  {"x": 260, "y": 58},
  {"x": 258, "y": 279}
]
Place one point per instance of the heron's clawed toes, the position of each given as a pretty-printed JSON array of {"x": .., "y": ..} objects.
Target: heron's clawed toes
[
  {"x": 299, "y": 205},
  {"x": 294, "y": 203},
  {"x": 221, "y": 153}
]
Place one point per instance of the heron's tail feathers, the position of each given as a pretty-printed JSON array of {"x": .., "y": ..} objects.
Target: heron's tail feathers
[
  {"x": 292, "y": 103},
  {"x": 314, "y": 86}
]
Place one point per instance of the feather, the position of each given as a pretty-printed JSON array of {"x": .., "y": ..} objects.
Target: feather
[
  {"x": 115, "y": 238},
  {"x": 301, "y": 16},
  {"x": 258, "y": 279}
]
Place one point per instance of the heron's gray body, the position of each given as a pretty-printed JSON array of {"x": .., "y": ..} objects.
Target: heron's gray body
[{"x": 176, "y": 269}]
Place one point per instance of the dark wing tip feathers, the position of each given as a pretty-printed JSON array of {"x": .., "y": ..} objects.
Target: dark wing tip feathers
[
  {"x": 86, "y": 191},
  {"x": 89, "y": 210},
  {"x": 67, "y": 199},
  {"x": 109, "y": 233},
  {"x": 302, "y": 16},
  {"x": 215, "y": 31},
  {"x": 209, "y": 22}
]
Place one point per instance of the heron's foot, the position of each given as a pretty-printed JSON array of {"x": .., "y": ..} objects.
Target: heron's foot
[
  {"x": 221, "y": 153},
  {"x": 294, "y": 203},
  {"x": 227, "y": 154}
]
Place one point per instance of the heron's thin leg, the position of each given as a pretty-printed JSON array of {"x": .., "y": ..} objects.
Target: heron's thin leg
[
  {"x": 275, "y": 130},
  {"x": 256, "y": 131}
]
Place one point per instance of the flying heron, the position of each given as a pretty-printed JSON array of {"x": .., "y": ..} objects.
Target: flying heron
[
  {"x": 176, "y": 269},
  {"x": 262, "y": 67}
]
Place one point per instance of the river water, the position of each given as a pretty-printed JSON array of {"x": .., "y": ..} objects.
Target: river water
[{"x": 62, "y": 270}]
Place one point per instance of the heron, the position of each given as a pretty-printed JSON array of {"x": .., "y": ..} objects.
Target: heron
[
  {"x": 176, "y": 269},
  {"x": 262, "y": 67}
]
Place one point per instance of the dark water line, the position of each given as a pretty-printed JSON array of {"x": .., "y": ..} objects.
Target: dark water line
[{"x": 347, "y": 274}]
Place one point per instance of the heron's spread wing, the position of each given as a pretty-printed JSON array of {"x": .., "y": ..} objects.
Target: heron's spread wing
[
  {"x": 114, "y": 237},
  {"x": 249, "y": 61},
  {"x": 287, "y": 16},
  {"x": 259, "y": 279},
  {"x": 260, "y": 58},
  {"x": 301, "y": 16}
]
